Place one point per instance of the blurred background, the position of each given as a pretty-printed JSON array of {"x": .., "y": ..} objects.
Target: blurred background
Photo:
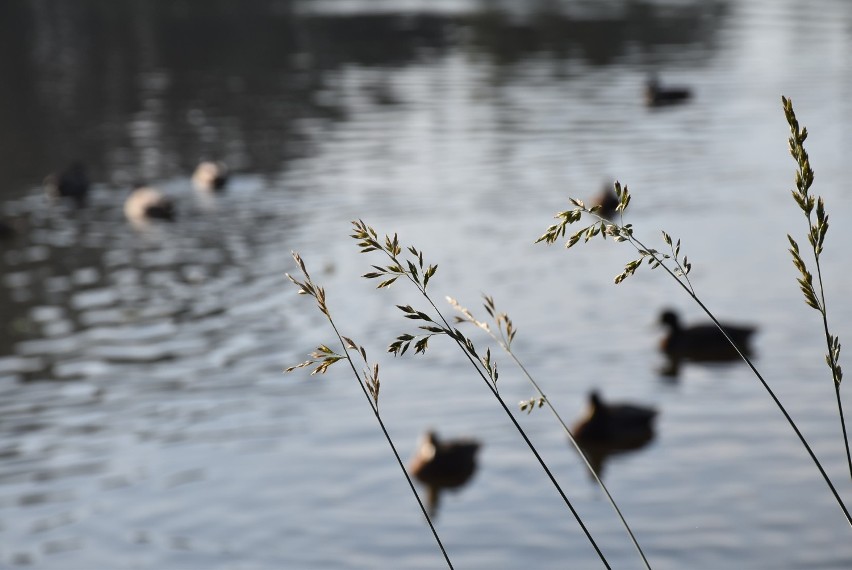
[{"x": 144, "y": 418}]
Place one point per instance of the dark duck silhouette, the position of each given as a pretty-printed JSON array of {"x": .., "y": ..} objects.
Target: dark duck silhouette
[
  {"x": 71, "y": 184},
  {"x": 146, "y": 203},
  {"x": 703, "y": 342},
  {"x": 443, "y": 464},
  {"x": 610, "y": 429},
  {"x": 607, "y": 200},
  {"x": 657, "y": 95}
]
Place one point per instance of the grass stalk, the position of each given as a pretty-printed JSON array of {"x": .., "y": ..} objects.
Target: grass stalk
[
  {"x": 507, "y": 333},
  {"x": 622, "y": 232},
  {"x": 816, "y": 237},
  {"x": 325, "y": 357},
  {"x": 419, "y": 274}
]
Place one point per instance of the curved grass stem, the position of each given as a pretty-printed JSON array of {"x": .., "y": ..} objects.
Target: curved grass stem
[
  {"x": 309, "y": 288},
  {"x": 764, "y": 383},
  {"x": 368, "y": 241},
  {"x": 505, "y": 344}
]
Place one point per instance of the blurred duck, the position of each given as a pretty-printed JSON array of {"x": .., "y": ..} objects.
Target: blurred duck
[
  {"x": 145, "y": 203},
  {"x": 702, "y": 342},
  {"x": 443, "y": 464},
  {"x": 656, "y": 95},
  {"x": 72, "y": 184},
  {"x": 210, "y": 176},
  {"x": 607, "y": 200},
  {"x": 617, "y": 424},
  {"x": 610, "y": 429}
]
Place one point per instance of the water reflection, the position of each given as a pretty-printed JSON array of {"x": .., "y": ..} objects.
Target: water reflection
[
  {"x": 143, "y": 91},
  {"x": 443, "y": 465},
  {"x": 158, "y": 338}
]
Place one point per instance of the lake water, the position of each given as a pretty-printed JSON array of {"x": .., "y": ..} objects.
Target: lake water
[{"x": 145, "y": 421}]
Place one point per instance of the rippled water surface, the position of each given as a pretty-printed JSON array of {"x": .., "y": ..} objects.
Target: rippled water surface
[{"x": 144, "y": 418}]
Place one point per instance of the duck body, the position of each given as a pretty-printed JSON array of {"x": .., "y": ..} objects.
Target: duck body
[
  {"x": 703, "y": 342},
  {"x": 146, "y": 203},
  {"x": 612, "y": 429},
  {"x": 444, "y": 464},
  {"x": 656, "y": 95},
  {"x": 210, "y": 176},
  {"x": 607, "y": 200},
  {"x": 618, "y": 425},
  {"x": 72, "y": 184}
]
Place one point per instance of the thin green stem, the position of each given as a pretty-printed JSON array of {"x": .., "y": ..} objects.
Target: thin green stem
[
  {"x": 816, "y": 235},
  {"x": 638, "y": 244},
  {"x": 833, "y": 364},
  {"x": 559, "y": 419},
  {"x": 508, "y": 412},
  {"x": 843, "y": 425},
  {"x": 375, "y": 408},
  {"x": 523, "y": 434},
  {"x": 317, "y": 292}
]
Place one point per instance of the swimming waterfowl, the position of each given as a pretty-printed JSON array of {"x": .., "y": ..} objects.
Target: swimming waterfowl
[
  {"x": 702, "y": 342},
  {"x": 656, "y": 95},
  {"x": 443, "y": 464},
  {"x": 146, "y": 203},
  {"x": 210, "y": 176},
  {"x": 610, "y": 429},
  {"x": 615, "y": 424},
  {"x": 607, "y": 200},
  {"x": 72, "y": 183}
]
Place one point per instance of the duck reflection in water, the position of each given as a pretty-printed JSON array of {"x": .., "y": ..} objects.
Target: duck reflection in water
[
  {"x": 611, "y": 429},
  {"x": 443, "y": 465},
  {"x": 701, "y": 342}
]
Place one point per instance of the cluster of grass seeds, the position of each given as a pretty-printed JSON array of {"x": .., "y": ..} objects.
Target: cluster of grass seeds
[
  {"x": 324, "y": 357},
  {"x": 408, "y": 263},
  {"x": 678, "y": 269},
  {"x": 817, "y": 229}
]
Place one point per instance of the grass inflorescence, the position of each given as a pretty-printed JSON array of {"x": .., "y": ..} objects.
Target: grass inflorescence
[
  {"x": 678, "y": 268},
  {"x": 817, "y": 218},
  {"x": 406, "y": 263},
  {"x": 324, "y": 357}
]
